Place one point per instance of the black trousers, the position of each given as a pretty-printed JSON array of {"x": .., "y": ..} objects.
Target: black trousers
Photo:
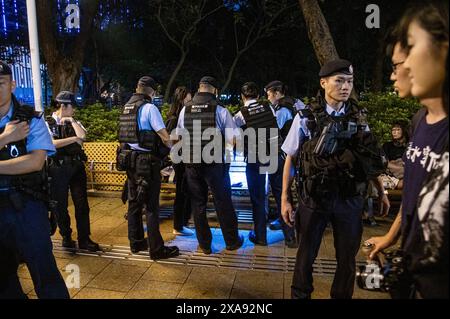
[
  {"x": 70, "y": 175},
  {"x": 256, "y": 186},
  {"x": 345, "y": 216},
  {"x": 216, "y": 177},
  {"x": 25, "y": 236},
  {"x": 182, "y": 205},
  {"x": 147, "y": 198}
]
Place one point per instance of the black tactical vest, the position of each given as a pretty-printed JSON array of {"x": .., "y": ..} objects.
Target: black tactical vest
[
  {"x": 61, "y": 131},
  {"x": 346, "y": 166},
  {"x": 32, "y": 181},
  {"x": 288, "y": 103},
  {"x": 260, "y": 116},
  {"x": 129, "y": 129},
  {"x": 200, "y": 115}
]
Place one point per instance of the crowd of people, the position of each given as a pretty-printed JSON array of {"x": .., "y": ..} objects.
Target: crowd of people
[{"x": 327, "y": 147}]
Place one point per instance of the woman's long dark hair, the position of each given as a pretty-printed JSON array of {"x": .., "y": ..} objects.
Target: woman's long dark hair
[
  {"x": 178, "y": 100},
  {"x": 432, "y": 17}
]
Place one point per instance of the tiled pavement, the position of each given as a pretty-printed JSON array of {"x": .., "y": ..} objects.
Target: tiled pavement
[{"x": 116, "y": 279}]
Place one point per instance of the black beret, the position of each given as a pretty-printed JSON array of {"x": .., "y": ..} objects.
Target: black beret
[
  {"x": 336, "y": 66},
  {"x": 66, "y": 97},
  {"x": 274, "y": 84},
  {"x": 5, "y": 69},
  {"x": 209, "y": 80},
  {"x": 148, "y": 81}
]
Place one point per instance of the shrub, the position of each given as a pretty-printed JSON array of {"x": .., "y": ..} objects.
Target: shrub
[
  {"x": 102, "y": 124},
  {"x": 385, "y": 109}
]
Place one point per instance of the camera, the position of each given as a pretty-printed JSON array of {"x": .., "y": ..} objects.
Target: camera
[{"x": 387, "y": 274}]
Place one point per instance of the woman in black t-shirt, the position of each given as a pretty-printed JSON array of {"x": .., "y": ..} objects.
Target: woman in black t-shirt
[{"x": 424, "y": 214}]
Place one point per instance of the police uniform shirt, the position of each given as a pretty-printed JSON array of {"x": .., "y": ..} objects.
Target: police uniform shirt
[
  {"x": 224, "y": 120},
  {"x": 38, "y": 138},
  {"x": 283, "y": 115},
  {"x": 299, "y": 131},
  {"x": 149, "y": 118},
  {"x": 239, "y": 118}
]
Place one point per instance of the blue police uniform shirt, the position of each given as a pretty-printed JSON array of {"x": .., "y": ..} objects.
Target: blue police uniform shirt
[
  {"x": 224, "y": 120},
  {"x": 299, "y": 131},
  {"x": 39, "y": 138},
  {"x": 149, "y": 118},
  {"x": 239, "y": 118},
  {"x": 283, "y": 115}
]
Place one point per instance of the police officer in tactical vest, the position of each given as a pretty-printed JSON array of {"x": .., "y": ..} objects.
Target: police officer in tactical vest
[
  {"x": 202, "y": 123},
  {"x": 261, "y": 117},
  {"x": 284, "y": 107},
  {"x": 336, "y": 155},
  {"x": 142, "y": 135},
  {"x": 282, "y": 104},
  {"x": 24, "y": 226},
  {"x": 67, "y": 171}
]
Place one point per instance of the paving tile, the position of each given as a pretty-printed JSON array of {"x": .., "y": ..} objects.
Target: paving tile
[
  {"x": 148, "y": 289},
  {"x": 259, "y": 281},
  {"x": 27, "y": 285},
  {"x": 246, "y": 294},
  {"x": 208, "y": 283},
  {"x": 167, "y": 273},
  {"x": 92, "y": 293},
  {"x": 109, "y": 221},
  {"x": 85, "y": 278},
  {"x": 91, "y": 265},
  {"x": 118, "y": 277},
  {"x": 116, "y": 240}
]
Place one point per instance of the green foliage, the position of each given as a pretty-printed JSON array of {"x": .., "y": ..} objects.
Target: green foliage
[
  {"x": 233, "y": 108},
  {"x": 165, "y": 110},
  {"x": 102, "y": 124},
  {"x": 385, "y": 109}
]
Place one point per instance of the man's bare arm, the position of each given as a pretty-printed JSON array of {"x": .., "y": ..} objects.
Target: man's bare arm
[{"x": 29, "y": 163}]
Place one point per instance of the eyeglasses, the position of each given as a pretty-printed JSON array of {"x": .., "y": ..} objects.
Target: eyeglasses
[{"x": 395, "y": 65}]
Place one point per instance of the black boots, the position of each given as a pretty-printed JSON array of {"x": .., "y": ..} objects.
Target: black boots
[
  {"x": 88, "y": 244},
  {"x": 67, "y": 242},
  {"x": 165, "y": 252}
]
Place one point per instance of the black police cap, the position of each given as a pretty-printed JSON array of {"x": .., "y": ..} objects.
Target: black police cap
[
  {"x": 5, "y": 69},
  {"x": 66, "y": 97},
  {"x": 336, "y": 66},
  {"x": 210, "y": 81},
  {"x": 148, "y": 81},
  {"x": 274, "y": 85}
]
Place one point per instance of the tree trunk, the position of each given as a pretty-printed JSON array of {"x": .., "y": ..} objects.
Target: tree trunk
[
  {"x": 174, "y": 75},
  {"x": 231, "y": 71},
  {"x": 65, "y": 75},
  {"x": 318, "y": 31},
  {"x": 377, "y": 76},
  {"x": 64, "y": 68}
]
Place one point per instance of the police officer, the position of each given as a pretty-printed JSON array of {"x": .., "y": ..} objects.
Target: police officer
[
  {"x": 282, "y": 104},
  {"x": 258, "y": 116},
  {"x": 67, "y": 171},
  {"x": 201, "y": 116},
  {"x": 142, "y": 135},
  {"x": 333, "y": 175},
  {"x": 285, "y": 109},
  {"x": 24, "y": 225}
]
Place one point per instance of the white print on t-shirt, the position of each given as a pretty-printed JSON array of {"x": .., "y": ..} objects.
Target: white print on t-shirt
[
  {"x": 432, "y": 208},
  {"x": 428, "y": 159}
]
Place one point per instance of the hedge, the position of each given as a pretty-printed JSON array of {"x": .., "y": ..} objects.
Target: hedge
[{"x": 384, "y": 109}]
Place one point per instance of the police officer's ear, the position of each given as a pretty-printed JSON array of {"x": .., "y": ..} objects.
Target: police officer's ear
[
  {"x": 323, "y": 82},
  {"x": 13, "y": 85}
]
